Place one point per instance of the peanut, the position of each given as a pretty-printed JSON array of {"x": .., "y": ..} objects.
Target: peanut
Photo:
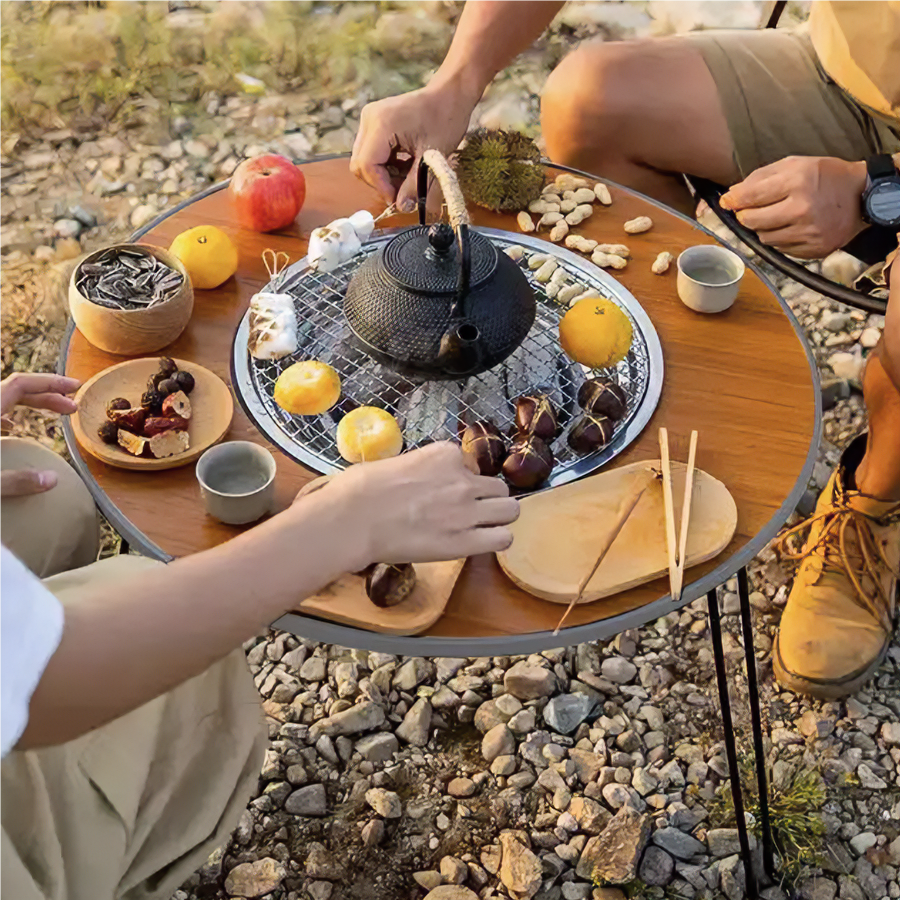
[
  {"x": 566, "y": 206},
  {"x": 579, "y": 214},
  {"x": 661, "y": 263},
  {"x": 545, "y": 271},
  {"x": 589, "y": 293},
  {"x": 615, "y": 249},
  {"x": 581, "y": 244},
  {"x": 542, "y": 206},
  {"x": 569, "y": 291},
  {"x": 551, "y": 197},
  {"x": 559, "y": 231},
  {"x": 608, "y": 260},
  {"x": 585, "y": 195},
  {"x": 525, "y": 222},
  {"x": 601, "y": 192},
  {"x": 549, "y": 219},
  {"x": 536, "y": 260},
  {"x": 515, "y": 253},
  {"x": 560, "y": 275},
  {"x": 639, "y": 225},
  {"x": 550, "y": 188},
  {"x": 568, "y": 182}
]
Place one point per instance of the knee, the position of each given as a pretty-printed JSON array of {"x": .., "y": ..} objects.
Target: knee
[{"x": 587, "y": 102}]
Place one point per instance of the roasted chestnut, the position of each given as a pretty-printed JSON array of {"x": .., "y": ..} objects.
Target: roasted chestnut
[
  {"x": 152, "y": 401},
  {"x": 117, "y": 404},
  {"x": 108, "y": 432},
  {"x": 388, "y": 585},
  {"x": 184, "y": 380},
  {"x": 168, "y": 386},
  {"x": 590, "y": 433},
  {"x": 484, "y": 448},
  {"x": 600, "y": 397},
  {"x": 529, "y": 463},
  {"x": 167, "y": 367},
  {"x": 535, "y": 415}
]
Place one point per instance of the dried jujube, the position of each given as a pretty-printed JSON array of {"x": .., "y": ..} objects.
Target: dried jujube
[
  {"x": 119, "y": 403},
  {"x": 152, "y": 400},
  {"x": 484, "y": 448},
  {"x": 598, "y": 396},
  {"x": 535, "y": 415},
  {"x": 529, "y": 463},
  {"x": 590, "y": 433}
]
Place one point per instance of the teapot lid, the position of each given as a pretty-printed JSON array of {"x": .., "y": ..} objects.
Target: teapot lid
[{"x": 425, "y": 259}]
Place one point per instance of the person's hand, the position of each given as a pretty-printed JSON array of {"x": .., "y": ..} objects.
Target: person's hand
[
  {"x": 39, "y": 391},
  {"x": 421, "y": 506},
  {"x": 804, "y": 206},
  {"x": 429, "y": 118}
]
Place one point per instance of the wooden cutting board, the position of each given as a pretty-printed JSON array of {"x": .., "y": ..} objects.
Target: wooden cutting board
[
  {"x": 345, "y": 601},
  {"x": 559, "y": 533}
]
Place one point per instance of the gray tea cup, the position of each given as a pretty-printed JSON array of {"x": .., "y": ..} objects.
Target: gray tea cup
[
  {"x": 237, "y": 482},
  {"x": 709, "y": 278}
]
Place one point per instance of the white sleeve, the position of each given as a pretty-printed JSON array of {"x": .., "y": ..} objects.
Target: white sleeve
[{"x": 31, "y": 627}]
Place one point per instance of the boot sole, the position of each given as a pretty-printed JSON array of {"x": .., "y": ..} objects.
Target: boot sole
[{"x": 835, "y": 689}]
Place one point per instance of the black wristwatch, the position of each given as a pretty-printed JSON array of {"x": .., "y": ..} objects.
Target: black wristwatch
[{"x": 881, "y": 198}]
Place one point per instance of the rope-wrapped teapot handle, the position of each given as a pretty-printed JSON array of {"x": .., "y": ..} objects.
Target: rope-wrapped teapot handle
[
  {"x": 456, "y": 210},
  {"x": 453, "y": 196}
]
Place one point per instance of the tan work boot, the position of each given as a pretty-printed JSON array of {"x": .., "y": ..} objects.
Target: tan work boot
[{"x": 839, "y": 618}]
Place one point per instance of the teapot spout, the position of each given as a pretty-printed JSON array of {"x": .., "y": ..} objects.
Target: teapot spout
[{"x": 460, "y": 349}]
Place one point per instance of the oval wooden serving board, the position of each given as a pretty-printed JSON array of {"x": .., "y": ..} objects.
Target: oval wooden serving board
[
  {"x": 559, "y": 533},
  {"x": 211, "y": 410},
  {"x": 345, "y": 601}
]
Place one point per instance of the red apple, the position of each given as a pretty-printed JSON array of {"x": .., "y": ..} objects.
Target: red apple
[{"x": 267, "y": 192}]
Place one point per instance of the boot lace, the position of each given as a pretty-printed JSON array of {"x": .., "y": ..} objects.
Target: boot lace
[{"x": 848, "y": 544}]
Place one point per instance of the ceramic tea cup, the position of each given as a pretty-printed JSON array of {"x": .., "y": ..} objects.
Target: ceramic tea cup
[
  {"x": 709, "y": 277},
  {"x": 237, "y": 482}
]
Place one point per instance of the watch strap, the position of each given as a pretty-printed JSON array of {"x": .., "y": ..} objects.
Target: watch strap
[{"x": 880, "y": 166}]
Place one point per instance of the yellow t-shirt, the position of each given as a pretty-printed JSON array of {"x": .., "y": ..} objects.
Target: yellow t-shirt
[{"x": 858, "y": 42}]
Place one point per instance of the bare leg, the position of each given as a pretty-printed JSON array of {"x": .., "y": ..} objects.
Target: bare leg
[{"x": 639, "y": 113}]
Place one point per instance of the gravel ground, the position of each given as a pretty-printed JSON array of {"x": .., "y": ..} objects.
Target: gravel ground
[{"x": 592, "y": 771}]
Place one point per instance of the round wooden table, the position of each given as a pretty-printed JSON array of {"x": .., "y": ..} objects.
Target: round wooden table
[{"x": 744, "y": 379}]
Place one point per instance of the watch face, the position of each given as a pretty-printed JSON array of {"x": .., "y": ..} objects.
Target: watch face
[{"x": 883, "y": 203}]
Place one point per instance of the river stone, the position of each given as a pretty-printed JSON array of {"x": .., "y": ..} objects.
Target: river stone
[
  {"x": 379, "y": 747},
  {"x": 527, "y": 681},
  {"x": 362, "y": 717},
  {"x": 321, "y": 864},
  {"x": 386, "y": 803},
  {"x": 488, "y": 716},
  {"x": 428, "y": 879},
  {"x": 308, "y": 801},
  {"x": 416, "y": 724},
  {"x": 255, "y": 879},
  {"x": 732, "y": 878},
  {"x": 679, "y": 844},
  {"x": 618, "y": 669},
  {"x": 656, "y": 868},
  {"x": 461, "y": 787},
  {"x": 451, "y": 892},
  {"x": 723, "y": 842},
  {"x": 818, "y": 889},
  {"x": 587, "y": 765},
  {"x": 313, "y": 669},
  {"x": 520, "y": 869},
  {"x": 565, "y": 712},
  {"x": 373, "y": 833},
  {"x": 454, "y": 870},
  {"x": 411, "y": 674},
  {"x": 591, "y": 817},
  {"x": 612, "y": 857},
  {"x": 499, "y": 741}
]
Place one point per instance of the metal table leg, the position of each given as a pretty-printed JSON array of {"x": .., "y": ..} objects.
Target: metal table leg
[{"x": 715, "y": 627}]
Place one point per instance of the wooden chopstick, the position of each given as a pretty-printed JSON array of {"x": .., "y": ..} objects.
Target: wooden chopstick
[
  {"x": 625, "y": 511},
  {"x": 685, "y": 517},
  {"x": 669, "y": 507}
]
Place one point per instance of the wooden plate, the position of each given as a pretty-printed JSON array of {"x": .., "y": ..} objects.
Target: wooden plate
[
  {"x": 211, "y": 405},
  {"x": 558, "y": 533}
]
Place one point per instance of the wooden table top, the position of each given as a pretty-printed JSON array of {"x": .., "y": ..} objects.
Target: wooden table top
[{"x": 743, "y": 378}]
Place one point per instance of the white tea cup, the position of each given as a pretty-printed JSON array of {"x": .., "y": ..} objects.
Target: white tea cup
[
  {"x": 709, "y": 277},
  {"x": 237, "y": 482}
]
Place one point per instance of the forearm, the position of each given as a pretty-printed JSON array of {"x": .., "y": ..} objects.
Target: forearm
[
  {"x": 126, "y": 642},
  {"x": 490, "y": 34}
]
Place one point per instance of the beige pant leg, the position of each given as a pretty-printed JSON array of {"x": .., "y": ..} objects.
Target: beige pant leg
[
  {"x": 132, "y": 809},
  {"x": 53, "y": 531}
]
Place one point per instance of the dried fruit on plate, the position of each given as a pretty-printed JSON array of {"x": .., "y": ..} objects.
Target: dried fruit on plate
[
  {"x": 168, "y": 443},
  {"x": 177, "y": 404},
  {"x": 131, "y": 419},
  {"x": 389, "y": 585},
  {"x": 159, "y": 424}
]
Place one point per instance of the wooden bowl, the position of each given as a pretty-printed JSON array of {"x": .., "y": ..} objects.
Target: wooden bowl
[
  {"x": 212, "y": 408},
  {"x": 133, "y": 332}
]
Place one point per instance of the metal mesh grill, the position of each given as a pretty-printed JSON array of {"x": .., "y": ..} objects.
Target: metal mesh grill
[{"x": 439, "y": 410}]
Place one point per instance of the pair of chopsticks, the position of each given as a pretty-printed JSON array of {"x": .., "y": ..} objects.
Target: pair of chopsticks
[
  {"x": 676, "y": 554},
  {"x": 625, "y": 510}
]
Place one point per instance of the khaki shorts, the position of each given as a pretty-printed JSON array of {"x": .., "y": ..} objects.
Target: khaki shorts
[{"x": 778, "y": 101}]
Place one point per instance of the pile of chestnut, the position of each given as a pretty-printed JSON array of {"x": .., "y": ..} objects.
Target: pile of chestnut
[{"x": 528, "y": 461}]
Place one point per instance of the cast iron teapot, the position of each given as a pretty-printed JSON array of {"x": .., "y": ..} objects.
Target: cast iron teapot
[{"x": 439, "y": 302}]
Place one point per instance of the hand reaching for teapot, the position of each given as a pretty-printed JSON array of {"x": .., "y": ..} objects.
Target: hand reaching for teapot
[{"x": 408, "y": 124}]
